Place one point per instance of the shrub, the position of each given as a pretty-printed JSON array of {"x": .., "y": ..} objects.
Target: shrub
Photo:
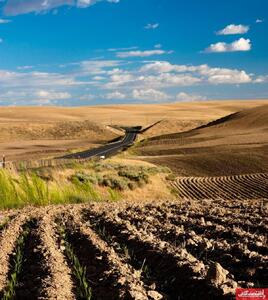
[
  {"x": 83, "y": 178},
  {"x": 115, "y": 182},
  {"x": 133, "y": 185},
  {"x": 134, "y": 175},
  {"x": 45, "y": 174}
]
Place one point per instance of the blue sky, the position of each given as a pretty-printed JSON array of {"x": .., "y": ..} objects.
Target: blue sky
[{"x": 86, "y": 52}]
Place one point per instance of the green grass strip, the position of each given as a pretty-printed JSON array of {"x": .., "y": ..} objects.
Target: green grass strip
[
  {"x": 10, "y": 290},
  {"x": 83, "y": 290}
]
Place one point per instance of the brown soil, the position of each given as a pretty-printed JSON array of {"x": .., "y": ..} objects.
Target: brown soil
[
  {"x": 169, "y": 250},
  {"x": 251, "y": 186},
  {"x": 233, "y": 145}
]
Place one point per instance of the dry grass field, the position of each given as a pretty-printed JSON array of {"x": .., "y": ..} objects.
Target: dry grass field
[
  {"x": 34, "y": 132},
  {"x": 232, "y": 145}
]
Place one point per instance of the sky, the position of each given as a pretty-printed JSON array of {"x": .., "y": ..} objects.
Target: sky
[{"x": 88, "y": 52}]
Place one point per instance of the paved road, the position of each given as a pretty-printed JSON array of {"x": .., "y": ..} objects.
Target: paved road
[{"x": 108, "y": 149}]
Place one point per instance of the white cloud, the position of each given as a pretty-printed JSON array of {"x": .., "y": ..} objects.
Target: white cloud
[
  {"x": 115, "y": 79},
  {"x": 87, "y": 3},
  {"x": 158, "y": 46},
  {"x": 163, "y": 67},
  {"x": 122, "y": 49},
  {"x": 234, "y": 29},
  {"x": 224, "y": 75},
  {"x": 189, "y": 97},
  {"x": 52, "y": 95},
  {"x": 97, "y": 66},
  {"x": 259, "y": 21},
  {"x": 139, "y": 53},
  {"x": 24, "y": 67},
  {"x": 115, "y": 95},
  {"x": 162, "y": 74},
  {"x": 32, "y": 96},
  {"x": 152, "y": 26},
  {"x": 17, "y": 7},
  {"x": 171, "y": 79},
  {"x": 4, "y": 21},
  {"x": 239, "y": 45},
  {"x": 149, "y": 95},
  {"x": 261, "y": 79},
  {"x": 36, "y": 79}
]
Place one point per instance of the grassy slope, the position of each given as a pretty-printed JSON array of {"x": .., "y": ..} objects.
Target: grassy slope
[
  {"x": 236, "y": 145},
  {"x": 111, "y": 180}
]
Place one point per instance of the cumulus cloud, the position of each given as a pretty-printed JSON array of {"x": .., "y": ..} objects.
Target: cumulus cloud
[
  {"x": 97, "y": 66},
  {"x": 259, "y": 21},
  {"x": 234, "y": 29},
  {"x": 115, "y": 95},
  {"x": 139, "y": 53},
  {"x": 162, "y": 74},
  {"x": 189, "y": 97},
  {"x": 163, "y": 67},
  {"x": 33, "y": 97},
  {"x": 36, "y": 79},
  {"x": 152, "y": 26},
  {"x": 52, "y": 95},
  {"x": 117, "y": 80},
  {"x": 149, "y": 95},
  {"x": 261, "y": 79},
  {"x": 239, "y": 45},
  {"x": 17, "y": 7},
  {"x": 195, "y": 74}
]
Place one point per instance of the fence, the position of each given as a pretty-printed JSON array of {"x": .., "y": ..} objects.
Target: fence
[{"x": 41, "y": 163}]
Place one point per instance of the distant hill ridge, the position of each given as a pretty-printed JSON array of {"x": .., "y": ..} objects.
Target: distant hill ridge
[{"x": 249, "y": 118}]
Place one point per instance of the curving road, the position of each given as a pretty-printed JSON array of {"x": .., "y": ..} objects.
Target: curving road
[{"x": 107, "y": 150}]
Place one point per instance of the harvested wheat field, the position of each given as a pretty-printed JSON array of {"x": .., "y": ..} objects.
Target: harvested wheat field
[
  {"x": 233, "y": 145},
  {"x": 172, "y": 250},
  {"x": 34, "y": 132}
]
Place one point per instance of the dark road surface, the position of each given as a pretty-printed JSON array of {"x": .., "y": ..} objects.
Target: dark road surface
[{"x": 108, "y": 149}]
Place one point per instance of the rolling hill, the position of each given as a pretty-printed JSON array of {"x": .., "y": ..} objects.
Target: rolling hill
[{"x": 235, "y": 144}]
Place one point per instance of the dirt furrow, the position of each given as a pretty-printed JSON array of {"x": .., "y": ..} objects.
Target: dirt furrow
[
  {"x": 107, "y": 276},
  {"x": 59, "y": 284},
  {"x": 34, "y": 271},
  {"x": 165, "y": 263},
  {"x": 225, "y": 187},
  {"x": 8, "y": 240},
  {"x": 251, "y": 187},
  {"x": 235, "y": 257},
  {"x": 129, "y": 281}
]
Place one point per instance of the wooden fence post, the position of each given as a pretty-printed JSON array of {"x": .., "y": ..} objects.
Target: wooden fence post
[{"x": 4, "y": 162}]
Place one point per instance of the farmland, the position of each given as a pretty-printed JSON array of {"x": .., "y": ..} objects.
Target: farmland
[
  {"x": 180, "y": 215},
  {"x": 224, "y": 187},
  {"x": 149, "y": 251},
  {"x": 44, "y": 132}
]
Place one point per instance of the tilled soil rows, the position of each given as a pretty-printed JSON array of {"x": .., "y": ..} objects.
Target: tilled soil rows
[
  {"x": 173, "y": 250},
  {"x": 252, "y": 186}
]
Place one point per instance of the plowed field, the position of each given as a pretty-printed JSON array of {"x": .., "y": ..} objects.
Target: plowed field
[
  {"x": 174, "y": 250},
  {"x": 252, "y": 186}
]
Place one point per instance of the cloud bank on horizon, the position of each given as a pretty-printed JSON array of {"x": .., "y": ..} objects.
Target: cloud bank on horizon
[{"x": 119, "y": 58}]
